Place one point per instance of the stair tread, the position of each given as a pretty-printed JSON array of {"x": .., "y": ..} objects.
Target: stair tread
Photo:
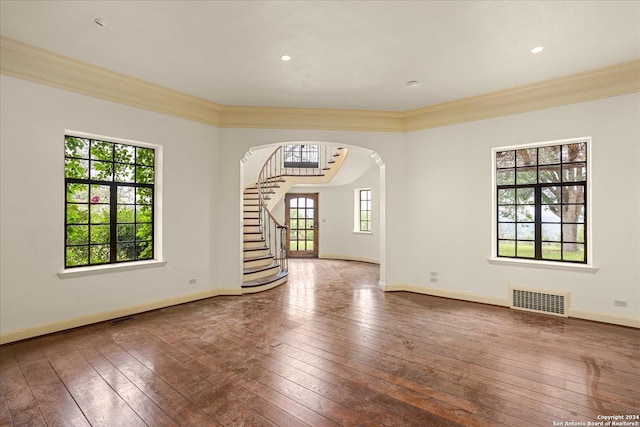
[
  {"x": 256, "y": 258},
  {"x": 254, "y": 190},
  {"x": 261, "y": 268},
  {"x": 270, "y": 180},
  {"x": 255, "y": 249},
  {"x": 266, "y": 280}
]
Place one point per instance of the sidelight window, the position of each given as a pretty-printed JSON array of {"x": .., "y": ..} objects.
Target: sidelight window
[{"x": 365, "y": 210}]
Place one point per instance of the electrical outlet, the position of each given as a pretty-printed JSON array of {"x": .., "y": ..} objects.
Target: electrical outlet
[
  {"x": 192, "y": 281},
  {"x": 619, "y": 303}
]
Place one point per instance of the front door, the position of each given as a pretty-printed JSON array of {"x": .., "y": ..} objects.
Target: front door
[{"x": 302, "y": 219}]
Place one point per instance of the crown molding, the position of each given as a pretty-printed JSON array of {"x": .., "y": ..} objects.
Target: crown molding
[
  {"x": 31, "y": 63},
  {"x": 312, "y": 118},
  {"x": 27, "y": 62},
  {"x": 604, "y": 82}
]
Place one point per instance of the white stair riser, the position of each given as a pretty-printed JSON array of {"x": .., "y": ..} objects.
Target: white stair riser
[
  {"x": 254, "y": 253},
  {"x": 264, "y": 287},
  {"x": 261, "y": 274},
  {"x": 257, "y": 262},
  {"x": 252, "y": 245}
]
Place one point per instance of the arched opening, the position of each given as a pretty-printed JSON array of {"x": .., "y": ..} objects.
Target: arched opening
[{"x": 339, "y": 235}]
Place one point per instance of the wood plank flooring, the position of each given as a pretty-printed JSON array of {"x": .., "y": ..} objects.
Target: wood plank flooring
[{"x": 326, "y": 349}]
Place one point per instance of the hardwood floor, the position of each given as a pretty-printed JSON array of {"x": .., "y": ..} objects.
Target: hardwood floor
[{"x": 326, "y": 349}]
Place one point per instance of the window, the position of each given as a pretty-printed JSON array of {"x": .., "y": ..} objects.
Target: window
[
  {"x": 541, "y": 201},
  {"x": 109, "y": 202},
  {"x": 364, "y": 210},
  {"x": 301, "y": 156}
]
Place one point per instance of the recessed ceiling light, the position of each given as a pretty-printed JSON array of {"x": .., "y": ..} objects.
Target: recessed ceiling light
[
  {"x": 286, "y": 57},
  {"x": 412, "y": 83},
  {"x": 537, "y": 49},
  {"x": 100, "y": 21}
]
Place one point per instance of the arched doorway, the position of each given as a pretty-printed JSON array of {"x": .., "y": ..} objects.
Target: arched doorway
[{"x": 323, "y": 228}]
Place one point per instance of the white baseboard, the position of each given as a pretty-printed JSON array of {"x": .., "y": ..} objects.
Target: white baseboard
[
  {"x": 604, "y": 318},
  {"x": 349, "y": 258},
  {"x": 464, "y": 296},
  {"x": 61, "y": 325},
  {"x": 34, "y": 331}
]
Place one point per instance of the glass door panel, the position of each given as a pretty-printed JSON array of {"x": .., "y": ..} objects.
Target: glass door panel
[{"x": 301, "y": 216}]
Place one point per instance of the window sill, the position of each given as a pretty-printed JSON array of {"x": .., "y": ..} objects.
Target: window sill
[
  {"x": 69, "y": 273},
  {"x": 362, "y": 232},
  {"x": 543, "y": 264}
]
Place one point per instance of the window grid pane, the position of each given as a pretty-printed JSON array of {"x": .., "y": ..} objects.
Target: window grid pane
[
  {"x": 301, "y": 156},
  {"x": 541, "y": 211},
  {"x": 365, "y": 210},
  {"x": 109, "y": 214}
]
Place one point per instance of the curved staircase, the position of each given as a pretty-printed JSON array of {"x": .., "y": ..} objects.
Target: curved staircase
[{"x": 265, "y": 261}]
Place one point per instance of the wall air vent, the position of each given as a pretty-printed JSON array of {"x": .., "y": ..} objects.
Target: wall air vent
[{"x": 539, "y": 301}]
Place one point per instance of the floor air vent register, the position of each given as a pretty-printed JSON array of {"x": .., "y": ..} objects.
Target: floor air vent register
[{"x": 539, "y": 301}]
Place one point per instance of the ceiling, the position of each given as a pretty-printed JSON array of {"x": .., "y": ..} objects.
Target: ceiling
[{"x": 346, "y": 54}]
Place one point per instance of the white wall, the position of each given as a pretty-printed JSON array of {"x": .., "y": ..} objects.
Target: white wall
[
  {"x": 437, "y": 185},
  {"x": 253, "y": 165},
  {"x": 449, "y": 207},
  {"x": 336, "y": 237},
  {"x": 33, "y": 121}
]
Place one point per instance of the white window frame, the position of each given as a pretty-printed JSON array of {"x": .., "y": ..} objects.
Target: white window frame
[
  {"x": 357, "y": 211},
  {"x": 494, "y": 259},
  {"x": 158, "y": 259}
]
